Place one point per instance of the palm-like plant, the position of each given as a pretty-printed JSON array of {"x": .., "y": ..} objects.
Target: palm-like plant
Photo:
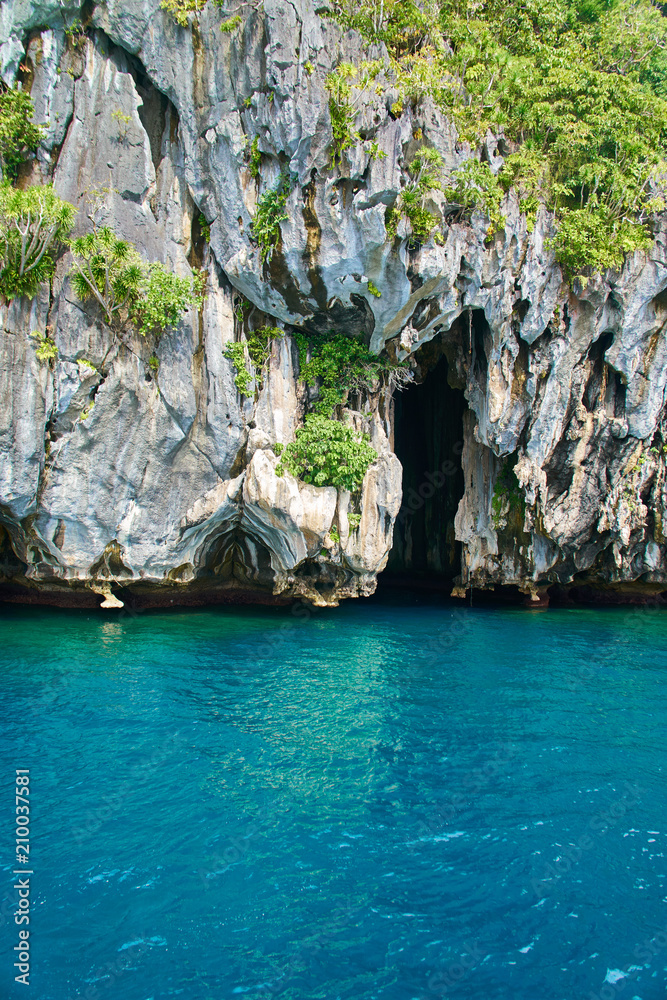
[
  {"x": 33, "y": 223},
  {"x": 107, "y": 269}
]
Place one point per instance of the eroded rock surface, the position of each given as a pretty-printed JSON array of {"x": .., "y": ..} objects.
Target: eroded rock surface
[{"x": 113, "y": 478}]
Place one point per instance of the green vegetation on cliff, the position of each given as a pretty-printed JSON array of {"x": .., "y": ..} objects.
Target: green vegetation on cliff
[
  {"x": 258, "y": 346},
  {"x": 578, "y": 87},
  {"x": 127, "y": 288},
  {"x": 340, "y": 365},
  {"x": 327, "y": 453},
  {"x": 270, "y": 212},
  {"x": 34, "y": 223},
  {"x": 19, "y": 135}
]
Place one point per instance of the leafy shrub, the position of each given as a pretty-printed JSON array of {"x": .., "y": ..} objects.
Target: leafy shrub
[
  {"x": 127, "y": 288},
  {"x": 347, "y": 86},
  {"x": 18, "y": 133},
  {"x": 588, "y": 236},
  {"x": 243, "y": 378},
  {"x": 46, "y": 346},
  {"x": 476, "y": 187},
  {"x": 580, "y": 86},
  {"x": 424, "y": 177},
  {"x": 374, "y": 290},
  {"x": 375, "y": 152},
  {"x": 205, "y": 227},
  {"x": 75, "y": 33},
  {"x": 327, "y": 453},
  {"x": 258, "y": 345},
  {"x": 231, "y": 23},
  {"x": 163, "y": 298},
  {"x": 122, "y": 123},
  {"x": 341, "y": 365},
  {"x": 255, "y": 158},
  {"x": 270, "y": 212},
  {"x": 33, "y": 224},
  {"x": 181, "y": 10}
]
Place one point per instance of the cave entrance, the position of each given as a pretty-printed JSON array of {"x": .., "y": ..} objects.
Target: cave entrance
[{"x": 428, "y": 440}]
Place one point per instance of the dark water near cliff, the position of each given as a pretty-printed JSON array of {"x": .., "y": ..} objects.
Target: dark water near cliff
[{"x": 389, "y": 800}]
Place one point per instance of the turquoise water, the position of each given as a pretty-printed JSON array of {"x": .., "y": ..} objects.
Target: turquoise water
[{"x": 394, "y": 799}]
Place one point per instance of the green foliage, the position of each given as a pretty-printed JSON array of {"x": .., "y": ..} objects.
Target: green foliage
[
  {"x": 309, "y": 68},
  {"x": 75, "y": 33},
  {"x": 578, "y": 86},
  {"x": 204, "y": 227},
  {"x": 374, "y": 290},
  {"x": 270, "y": 212},
  {"x": 327, "y": 453},
  {"x": 231, "y": 23},
  {"x": 255, "y": 158},
  {"x": 424, "y": 172},
  {"x": 508, "y": 497},
  {"x": 584, "y": 237},
  {"x": 340, "y": 365},
  {"x": 334, "y": 534},
  {"x": 19, "y": 135},
  {"x": 354, "y": 521},
  {"x": 243, "y": 378},
  {"x": 122, "y": 121},
  {"x": 33, "y": 224},
  {"x": 476, "y": 187},
  {"x": 343, "y": 114},
  {"x": 258, "y": 346},
  {"x": 376, "y": 153},
  {"x": 347, "y": 86},
  {"x": 154, "y": 363},
  {"x": 46, "y": 347},
  {"x": 181, "y": 10},
  {"x": 128, "y": 288},
  {"x": 242, "y": 309},
  {"x": 163, "y": 298},
  {"x": 108, "y": 269},
  {"x": 392, "y": 217}
]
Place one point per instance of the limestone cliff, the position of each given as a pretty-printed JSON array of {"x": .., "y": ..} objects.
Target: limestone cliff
[{"x": 114, "y": 478}]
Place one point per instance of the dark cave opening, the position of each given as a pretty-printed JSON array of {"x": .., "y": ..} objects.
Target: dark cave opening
[{"x": 428, "y": 440}]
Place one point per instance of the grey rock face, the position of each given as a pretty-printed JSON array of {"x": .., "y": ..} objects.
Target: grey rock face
[{"x": 112, "y": 477}]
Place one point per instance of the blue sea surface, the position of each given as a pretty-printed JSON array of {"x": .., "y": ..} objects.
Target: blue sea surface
[{"x": 397, "y": 799}]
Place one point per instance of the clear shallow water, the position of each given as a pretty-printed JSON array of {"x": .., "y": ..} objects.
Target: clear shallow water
[{"x": 359, "y": 803}]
